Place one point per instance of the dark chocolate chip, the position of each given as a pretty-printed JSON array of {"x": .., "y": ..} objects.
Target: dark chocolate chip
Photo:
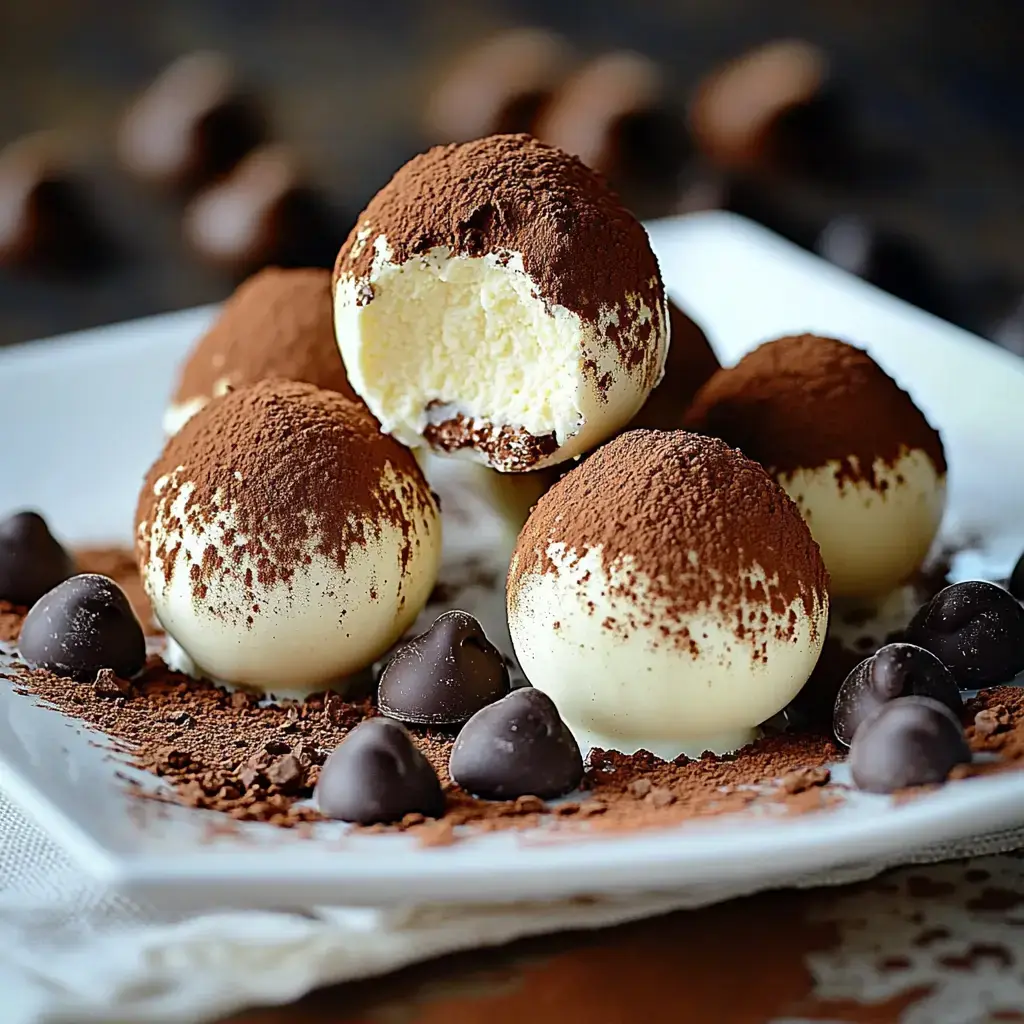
[
  {"x": 517, "y": 747},
  {"x": 1016, "y": 583},
  {"x": 910, "y": 741},
  {"x": 31, "y": 560},
  {"x": 976, "y": 629},
  {"x": 896, "y": 670},
  {"x": 445, "y": 675},
  {"x": 377, "y": 775},
  {"x": 193, "y": 124},
  {"x": 83, "y": 625},
  {"x": 264, "y": 212}
]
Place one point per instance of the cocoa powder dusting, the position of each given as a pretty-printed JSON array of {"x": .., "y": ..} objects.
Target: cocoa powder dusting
[
  {"x": 803, "y": 401},
  {"x": 296, "y": 467},
  {"x": 513, "y": 194},
  {"x": 279, "y": 323},
  {"x": 650, "y": 500}
]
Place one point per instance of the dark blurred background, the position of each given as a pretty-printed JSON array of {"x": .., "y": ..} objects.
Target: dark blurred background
[{"x": 893, "y": 143}]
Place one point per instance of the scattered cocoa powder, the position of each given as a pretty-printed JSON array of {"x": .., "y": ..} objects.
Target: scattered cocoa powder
[
  {"x": 119, "y": 564},
  {"x": 297, "y": 469},
  {"x": 226, "y": 752},
  {"x": 279, "y": 323},
  {"x": 683, "y": 495},
  {"x": 801, "y": 402},
  {"x": 508, "y": 194},
  {"x": 11, "y": 616}
]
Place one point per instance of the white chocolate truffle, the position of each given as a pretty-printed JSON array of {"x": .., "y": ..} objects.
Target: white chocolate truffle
[
  {"x": 285, "y": 543},
  {"x": 496, "y": 300},
  {"x": 863, "y": 464},
  {"x": 667, "y": 595},
  {"x": 278, "y": 323}
]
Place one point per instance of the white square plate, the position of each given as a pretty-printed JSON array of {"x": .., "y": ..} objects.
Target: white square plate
[{"x": 86, "y": 413}]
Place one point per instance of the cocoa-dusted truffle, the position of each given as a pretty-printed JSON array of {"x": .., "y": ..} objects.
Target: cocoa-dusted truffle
[
  {"x": 850, "y": 447},
  {"x": 279, "y": 323},
  {"x": 497, "y": 86},
  {"x": 496, "y": 299},
  {"x": 284, "y": 542},
  {"x": 666, "y": 594}
]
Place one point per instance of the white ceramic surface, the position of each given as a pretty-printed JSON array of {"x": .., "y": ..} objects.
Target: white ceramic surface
[{"x": 88, "y": 408}]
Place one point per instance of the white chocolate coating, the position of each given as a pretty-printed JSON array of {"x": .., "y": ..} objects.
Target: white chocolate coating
[
  {"x": 297, "y": 636},
  {"x": 608, "y": 652},
  {"x": 872, "y": 538}
]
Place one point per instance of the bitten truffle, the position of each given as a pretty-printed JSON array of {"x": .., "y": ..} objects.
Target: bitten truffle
[
  {"x": 849, "y": 446},
  {"x": 285, "y": 543},
  {"x": 496, "y": 300},
  {"x": 667, "y": 595},
  {"x": 279, "y": 323}
]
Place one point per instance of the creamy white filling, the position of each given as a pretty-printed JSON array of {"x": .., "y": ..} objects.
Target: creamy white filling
[
  {"x": 609, "y": 653},
  {"x": 440, "y": 336},
  {"x": 872, "y": 538},
  {"x": 312, "y": 631}
]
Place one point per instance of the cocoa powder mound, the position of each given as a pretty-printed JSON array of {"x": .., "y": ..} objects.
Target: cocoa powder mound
[
  {"x": 801, "y": 402},
  {"x": 512, "y": 194},
  {"x": 279, "y": 323},
  {"x": 299, "y": 470},
  {"x": 691, "y": 363},
  {"x": 651, "y": 501}
]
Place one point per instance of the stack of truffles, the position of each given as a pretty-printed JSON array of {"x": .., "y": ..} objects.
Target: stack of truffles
[{"x": 669, "y": 593}]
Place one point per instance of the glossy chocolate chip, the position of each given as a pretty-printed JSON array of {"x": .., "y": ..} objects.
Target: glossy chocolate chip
[
  {"x": 910, "y": 741},
  {"x": 376, "y": 775},
  {"x": 897, "y": 670},
  {"x": 975, "y": 629},
  {"x": 81, "y": 626},
  {"x": 517, "y": 747},
  {"x": 31, "y": 560},
  {"x": 445, "y": 675},
  {"x": 193, "y": 124}
]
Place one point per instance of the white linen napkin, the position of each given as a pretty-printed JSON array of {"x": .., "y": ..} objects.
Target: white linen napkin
[{"x": 72, "y": 953}]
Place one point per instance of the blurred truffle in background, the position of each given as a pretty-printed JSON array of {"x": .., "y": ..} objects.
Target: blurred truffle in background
[
  {"x": 48, "y": 220},
  {"x": 497, "y": 86},
  {"x": 266, "y": 211},
  {"x": 192, "y": 125},
  {"x": 617, "y": 115},
  {"x": 777, "y": 106}
]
